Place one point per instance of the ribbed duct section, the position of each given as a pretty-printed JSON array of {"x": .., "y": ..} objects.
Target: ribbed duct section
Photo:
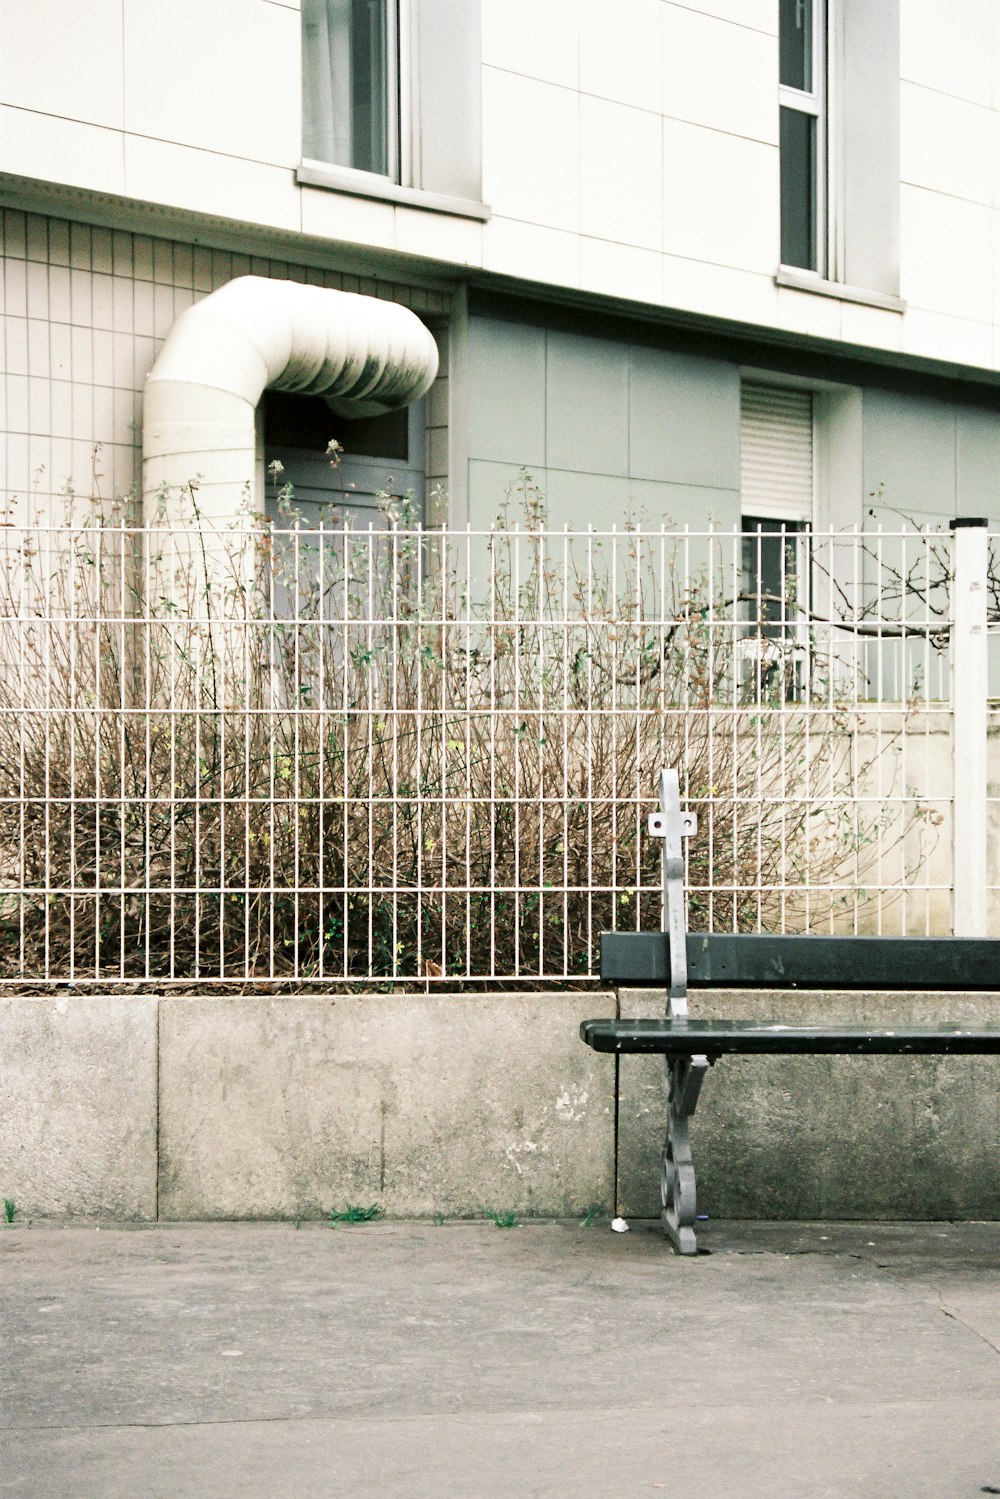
[{"x": 366, "y": 356}]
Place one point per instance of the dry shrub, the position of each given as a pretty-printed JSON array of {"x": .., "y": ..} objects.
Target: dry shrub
[{"x": 286, "y": 756}]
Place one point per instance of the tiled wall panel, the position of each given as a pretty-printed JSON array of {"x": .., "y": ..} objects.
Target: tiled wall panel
[
  {"x": 85, "y": 310},
  {"x": 608, "y": 431}
]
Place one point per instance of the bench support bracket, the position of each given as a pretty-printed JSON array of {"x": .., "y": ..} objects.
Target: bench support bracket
[
  {"x": 683, "y": 1075},
  {"x": 678, "y": 1190}
]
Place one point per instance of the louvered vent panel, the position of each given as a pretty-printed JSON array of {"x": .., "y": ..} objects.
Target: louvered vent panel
[{"x": 776, "y": 452}]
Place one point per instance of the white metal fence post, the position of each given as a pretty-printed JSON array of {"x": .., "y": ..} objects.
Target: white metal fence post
[{"x": 968, "y": 708}]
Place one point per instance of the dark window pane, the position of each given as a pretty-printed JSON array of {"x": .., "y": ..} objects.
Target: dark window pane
[
  {"x": 369, "y": 94},
  {"x": 795, "y": 34},
  {"x": 770, "y": 585},
  {"x": 307, "y": 423},
  {"x": 772, "y": 593},
  {"x": 798, "y": 189}
]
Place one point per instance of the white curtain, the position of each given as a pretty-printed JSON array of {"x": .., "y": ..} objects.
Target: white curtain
[{"x": 326, "y": 75}]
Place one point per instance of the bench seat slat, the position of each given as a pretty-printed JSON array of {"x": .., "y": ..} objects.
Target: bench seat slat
[
  {"x": 763, "y": 961},
  {"x": 714, "y": 1038}
]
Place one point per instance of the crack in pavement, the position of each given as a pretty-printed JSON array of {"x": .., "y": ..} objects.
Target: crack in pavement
[
  {"x": 13, "y": 1431},
  {"x": 950, "y": 1312},
  {"x": 532, "y": 1414}
]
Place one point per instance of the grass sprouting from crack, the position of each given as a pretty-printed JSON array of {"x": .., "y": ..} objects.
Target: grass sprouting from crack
[{"x": 355, "y": 1213}]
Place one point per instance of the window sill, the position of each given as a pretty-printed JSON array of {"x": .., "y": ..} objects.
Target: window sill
[
  {"x": 810, "y": 282},
  {"x": 367, "y": 185}
]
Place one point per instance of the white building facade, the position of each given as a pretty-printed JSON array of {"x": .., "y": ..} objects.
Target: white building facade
[{"x": 688, "y": 262}]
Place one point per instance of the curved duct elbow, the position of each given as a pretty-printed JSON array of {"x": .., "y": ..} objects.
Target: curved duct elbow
[{"x": 364, "y": 355}]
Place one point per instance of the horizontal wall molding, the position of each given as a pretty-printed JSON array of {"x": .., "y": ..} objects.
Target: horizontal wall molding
[
  {"x": 210, "y": 232},
  {"x": 503, "y": 297},
  {"x": 517, "y": 299}
]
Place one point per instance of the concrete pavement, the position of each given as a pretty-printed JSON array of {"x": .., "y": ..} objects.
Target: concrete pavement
[{"x": 408, "y": 1359}]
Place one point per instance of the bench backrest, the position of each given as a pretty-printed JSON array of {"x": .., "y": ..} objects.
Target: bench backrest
[
  {"x": 677, "y": 960},
  {"x": 719, "y": 960}
]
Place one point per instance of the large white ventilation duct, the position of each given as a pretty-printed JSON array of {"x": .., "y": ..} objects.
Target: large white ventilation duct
[{"x": 364, "y": 355}]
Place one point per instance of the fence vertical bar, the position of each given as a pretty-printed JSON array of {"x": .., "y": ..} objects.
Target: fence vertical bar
[{"x": 969, "y": 717}]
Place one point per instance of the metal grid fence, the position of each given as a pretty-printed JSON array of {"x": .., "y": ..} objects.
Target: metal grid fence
[{"x": 289, "y": 757}]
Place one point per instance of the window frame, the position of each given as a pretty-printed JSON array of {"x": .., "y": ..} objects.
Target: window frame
[
  {"x": 430, "y": 41},
  {"x": 776, "y": 649},
  {"x": 358, "y": 477},
  {"x": 861, "y": 142},
  {"x": 397, "y": 101},
  {"x": 815, "y": 103},
  {"x": 763, "y": 645}
]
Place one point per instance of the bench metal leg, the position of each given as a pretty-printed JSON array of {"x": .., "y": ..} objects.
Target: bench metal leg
[
  {"x": 682, "y": 1075},
  {"x": 683, "y": 1079}
]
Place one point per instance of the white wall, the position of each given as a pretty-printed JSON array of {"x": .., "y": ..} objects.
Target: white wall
[{"x": 628, "y": 149}]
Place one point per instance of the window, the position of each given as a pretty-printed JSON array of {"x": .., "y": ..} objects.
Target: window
[
  {"x": 803, "y": 133},
  {"x": 838, "y": 136},
  {"x": 771, "y": 569},
  {"x": 777, "y": 488},
  {"x": 383, "y": 457},
  {"x": 773, "y": 589},
  {"x": 351, "y": 84},
  {"x": 381, "y": 454},
  {"x": 392, "y": 101},
  {"x": 776, "y": 452}
]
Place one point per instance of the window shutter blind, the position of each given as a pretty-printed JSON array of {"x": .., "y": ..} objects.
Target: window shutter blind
[{"x": 776, "y": 453}]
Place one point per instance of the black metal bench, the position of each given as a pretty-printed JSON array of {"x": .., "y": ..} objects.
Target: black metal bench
[{"x": 677, "y": 960}]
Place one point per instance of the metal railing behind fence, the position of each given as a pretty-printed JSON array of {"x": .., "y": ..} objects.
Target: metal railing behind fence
[{"x": 289, "y": 757}]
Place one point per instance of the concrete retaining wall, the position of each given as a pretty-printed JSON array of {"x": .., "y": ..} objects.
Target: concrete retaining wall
[
  {"x": 273, "y": 1107},
  {"x": 78, "y": 1102},
  {"x": 207, "y": 1107}
]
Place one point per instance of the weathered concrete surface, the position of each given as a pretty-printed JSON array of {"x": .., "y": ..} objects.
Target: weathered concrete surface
[
  {"x": 209, "y": 1361},
  {"x": 470, "y": 1104},
  {"x": 813, "y": 1137},
  {"x": 456, "y": 1104},
  {"x": 78, "y": 1106}
]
